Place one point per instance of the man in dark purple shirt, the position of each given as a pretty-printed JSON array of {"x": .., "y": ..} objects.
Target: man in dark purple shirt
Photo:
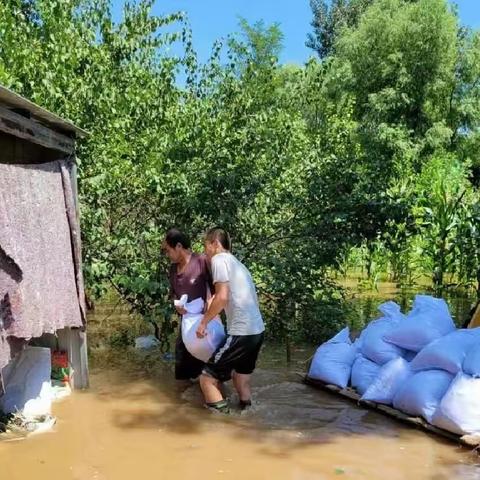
[{"x": 189, "y": 274}]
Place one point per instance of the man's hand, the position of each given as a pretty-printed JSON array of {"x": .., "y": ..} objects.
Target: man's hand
[
  {"x": 201, "y": 330},
  {"x": 180, "y": 310}
]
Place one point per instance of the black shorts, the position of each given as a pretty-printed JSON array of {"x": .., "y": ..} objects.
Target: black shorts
[{"x": 237, "y": 353}]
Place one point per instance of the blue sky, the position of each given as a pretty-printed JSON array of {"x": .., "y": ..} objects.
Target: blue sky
[{"x": 214, "y": 19}]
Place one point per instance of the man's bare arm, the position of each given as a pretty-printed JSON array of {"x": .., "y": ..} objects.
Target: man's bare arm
[{"x": 217, "y": 304}]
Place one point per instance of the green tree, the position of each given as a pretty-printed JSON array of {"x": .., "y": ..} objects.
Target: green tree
[{"x": 329, "y": 19}]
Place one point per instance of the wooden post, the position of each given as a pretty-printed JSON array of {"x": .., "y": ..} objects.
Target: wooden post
[{"x": 74, "y": 340}]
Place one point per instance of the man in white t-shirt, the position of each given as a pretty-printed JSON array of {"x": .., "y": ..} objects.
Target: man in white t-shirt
[{"x": 235, "y": 293}]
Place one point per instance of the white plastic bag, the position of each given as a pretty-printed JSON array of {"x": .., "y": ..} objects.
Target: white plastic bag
[
  {"x": 448, "y": 352},
  {"x": 421, "y": 394},
  {"x": 28, "y": 385},
  {"x": 471, "y": 364},
  {"x": 146, "y": 342},
  {"x": 391, "y": 376},
  {"x": 373, "y": 346},
  {"x": 364, "y": 372},
  {"x": 428, "y": 320},
  {"x": 201, "y": 348},
  {"x": 459, "y": 410},
  {"x": 332, "y": 362}
]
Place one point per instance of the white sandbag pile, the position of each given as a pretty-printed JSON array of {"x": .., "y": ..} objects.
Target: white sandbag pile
[
  {"x": 419, "y": 363},
  {"x": 332, "y": 362}
]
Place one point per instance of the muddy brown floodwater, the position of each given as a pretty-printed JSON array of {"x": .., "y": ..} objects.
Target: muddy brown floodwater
[{"x": 136, "y": 424}]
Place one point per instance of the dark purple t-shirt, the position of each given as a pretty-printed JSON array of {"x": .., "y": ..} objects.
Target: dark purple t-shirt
[{"x": 195, "y": 280}]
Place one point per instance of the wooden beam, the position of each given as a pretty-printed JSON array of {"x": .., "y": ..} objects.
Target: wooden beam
[
  {"x": 14, "y": 101},
  {"x": 21, "y": 127},
  {"x": 350, "y": 394}
]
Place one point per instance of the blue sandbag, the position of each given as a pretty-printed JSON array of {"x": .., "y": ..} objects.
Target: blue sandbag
[
  {"x": 332, "y": 362},
  {"x": 390, "y": 378},
  {"x": 364, "y": 371},
  {"x": 374, "y": 347},
  {"x": 471, "y": 364},
  {"x": 421, "y": 394},
  {"x": 428, "y": 320},
  {"x": 448, "y": 352}
]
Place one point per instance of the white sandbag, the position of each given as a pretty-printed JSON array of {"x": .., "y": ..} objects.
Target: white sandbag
[
  {"x": 448, "y": 352},
  {"x": 421, "y": 393},
  {"x": 391, "y": 376},
  {"x": 374, "y": 347},
  {"x": 471, "y": 364},
  {"x": 459, "y": 410},
  {"x": 364, "y": 371},
  {"x": 201, "y": 348},
  {"x": 332, "y": 362},
  {"x": 428, "y": 320},
  {"x": 28, "y": 384}
]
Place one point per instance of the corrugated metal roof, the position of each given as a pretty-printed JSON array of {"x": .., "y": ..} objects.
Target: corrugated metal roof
[{"x": 13, "y": 100}]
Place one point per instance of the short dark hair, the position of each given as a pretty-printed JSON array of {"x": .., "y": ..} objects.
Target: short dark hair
[
  {"x": 175, "y": 236},
  {"x": 221, "y": 235}
]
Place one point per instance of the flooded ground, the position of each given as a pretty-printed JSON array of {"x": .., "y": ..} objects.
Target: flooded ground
[
  {"x": 365, "y": 301},
  {"x": 136, "y": 423}
]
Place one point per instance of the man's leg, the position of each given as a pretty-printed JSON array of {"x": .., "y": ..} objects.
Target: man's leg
[
  {"x": 241, "y": 383},
  {"x": 210, "y": 388},
  {"x": 212, "y": 393},
  {"x": 247, "y": 354},
  {"x": 186, "y": 365}
]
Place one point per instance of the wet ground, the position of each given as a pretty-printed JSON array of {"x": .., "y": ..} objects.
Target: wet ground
[{"x": 136, "y": 423}]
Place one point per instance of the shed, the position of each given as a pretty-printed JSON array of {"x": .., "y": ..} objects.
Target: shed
[{"x": 41, "y": 284}]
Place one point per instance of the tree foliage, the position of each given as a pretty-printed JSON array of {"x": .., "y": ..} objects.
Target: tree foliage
[{"x": 372, "y": 148}]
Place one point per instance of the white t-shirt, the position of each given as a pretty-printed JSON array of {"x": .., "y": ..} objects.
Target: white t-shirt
[{"x": 243, "y": 314}]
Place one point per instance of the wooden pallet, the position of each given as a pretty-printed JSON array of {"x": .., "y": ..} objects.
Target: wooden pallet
[{"x": 352, "y": 395}]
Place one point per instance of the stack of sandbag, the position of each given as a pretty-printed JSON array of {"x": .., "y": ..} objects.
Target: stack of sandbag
[
  {"x": 373, "y": 350},
  {"x": 436, "y": 352},
  {"x": 432, "y": 373},
  {"x": 332, "y": 362},
  {"x": 416, "y": 380},
  {"x": 420, "y": 364},
  {"x": 439, "y": 384},
  {"x": 433, "y": 370}
]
